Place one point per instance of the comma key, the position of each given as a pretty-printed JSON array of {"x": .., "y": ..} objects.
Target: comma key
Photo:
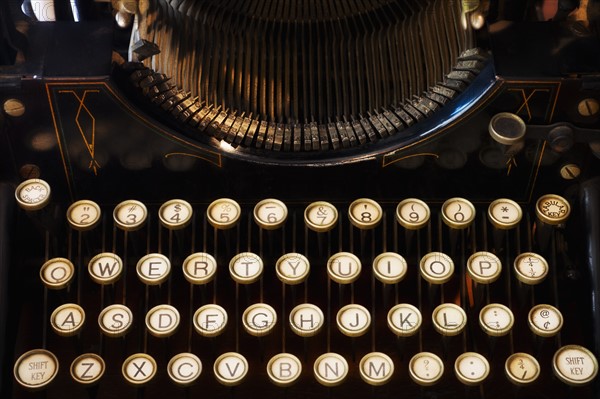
[{"x": 36, "y": 369}]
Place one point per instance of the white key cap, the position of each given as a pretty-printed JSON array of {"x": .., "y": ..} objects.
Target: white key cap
[
  {"x": 306, "y": 320},
  {"x": 426, "y": 368},
  {"x": 320, "y": 216},
  {"x": 504, "y": 213},
  {"x": 230, "y": 368},
  {"x": 531, "y": 268},
  {"x": 36, "y": 369},
  {"x": 184, "y": 369},
  {"x": 292, "y": 268},
  {"x": 343, "y": 268},
  {"x": 33, "y": 194},
  {"x": 115, "y": 320},
  {"x": 199, "y": 268},
  {"x": 210, "y": 320},
  {"x": 353, "y": 320},
  {"x": 449, "y": 319},
  {"x": 522, "y": 368},
  {"x": 270, "y": 214},
  {"x": 105, "y": 268},
  {"x": 57, "y": 273},
  {"x": 84, "y": 215},
  {"x": 376, "y": 368},
  {"x": 552, "y": 209},
  {"x": 67, "y": 319},
  {"x": 223, "y": 213},
  {"x": 389, "y": 267},
  {"x": 496, "y": 319},
  {"x": 365, "y": 214},
  {"x": 284, "y": 369},
  {"x": 471, "y": 368},
  {"x": 575, "y": 365},
  {"x": 458, "y": 213},
  {"x": 545, "y": 320},
  {"x": 412, "y": 213},
  {"x": 153, "y": 269},
  {"x": 404, "y": 320},
  {"x": 436, "y": 267},
  {"x": 259, "y": 319},
  {"x": 484, "y": 267},
  {"x": 175, "y": 214},
  {"x": 246, "y": 268},
  {"x": 88, "y": 368},
  {"x": 130, "y": 215},
  {"x": 139, "y": 368},
  {"x": 162, "y": 320},
  {"x": 330, "y": 369}
]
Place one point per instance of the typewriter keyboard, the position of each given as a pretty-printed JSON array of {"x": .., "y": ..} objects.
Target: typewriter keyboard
[{"x": 289, "y": 299}]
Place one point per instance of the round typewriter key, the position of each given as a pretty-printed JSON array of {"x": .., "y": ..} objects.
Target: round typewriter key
[
  {"x": 223, "y": 213},
  {"x": 270, "y": 214},
  {"x": 138, "y": 369},
  {"x": 246, "y": 268},
  {"x": 306, "y": 320},
  {"x": 496, "y": 319},
  {"x": 67, "y": 320},
  {"x": 162, "y": 320},
  {"x": 330, "y": 369},
  {"x": 83, "y": 215},
  {"x": 426, "y": 368},
  {"x": 210, "y": 320},
  {"x": 376, "y": 368},
  {"x": 436, "y": 267},
  {"x": 484, "y": 267},
  {"x": 115, "y": 320},
  {"x": 130, "y": 215},
  {"x": 389, "y": 267},
  {"x": 284, "y": 369},
  {"x": 175, "y": 214},
  {"x": 545, "y": 320},
  {"x": 521, "y": 368},
  {"x": 449, "y": 319},
  {"x": 504, "y": 213},
  {"x": 412, "y": 213},
  {"x": 458, "y": 213},
  {"x": 507, "y": 128},
  {"x": 292, "y": 268},
  {"x": 343, "y": 267},
  {"x": 320, "y": 216},
  {"x": 33, "y": 194},
  {"x": 199, "y": 268},
  {"x": 365, "y": 213},
  {"x": 105, "y": 268},
  {"x": 353, "y": 320},
  {"x": 404, "y": 320},
  {"x": 36, "y": 369},
  {"x": 259, "y": 319},
  {"x": 230, "y": 368},
  {"x": 531, "y": 268},
  {"x": 552, "y": 209},
  {"x": 57, "y": 273},
  {"x": 88, "y": 368},
  {"x": 575, "y": 365},
  {"x": 184, "y": 369},
  {"x": 471, "y": 368},
  {"x": 153, "y": 269}
]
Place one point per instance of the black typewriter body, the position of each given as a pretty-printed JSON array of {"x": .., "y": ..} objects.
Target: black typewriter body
[{"x": 79, "y": 120}]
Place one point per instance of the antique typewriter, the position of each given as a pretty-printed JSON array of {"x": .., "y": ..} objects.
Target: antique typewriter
[{"x": 300, "y": 199}]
